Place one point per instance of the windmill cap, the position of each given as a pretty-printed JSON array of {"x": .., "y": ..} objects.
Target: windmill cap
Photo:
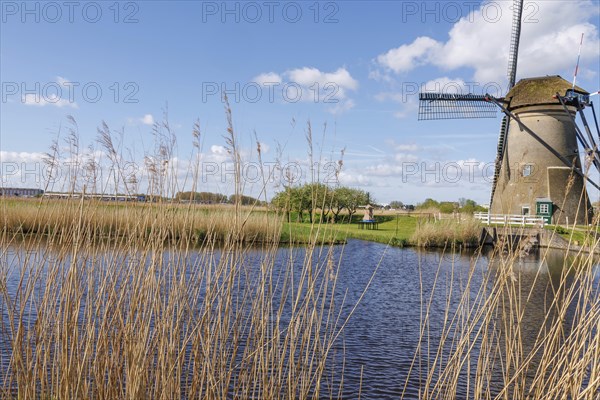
[{"x": 540, "y": 90}]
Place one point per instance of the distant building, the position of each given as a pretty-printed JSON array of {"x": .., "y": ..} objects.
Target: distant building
[
  {"x": 96, "y": 196},
  {"x": 20, "y": 192}
]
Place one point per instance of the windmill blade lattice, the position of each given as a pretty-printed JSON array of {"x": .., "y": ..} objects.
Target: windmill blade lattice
[{"x": 435, "y": 106}]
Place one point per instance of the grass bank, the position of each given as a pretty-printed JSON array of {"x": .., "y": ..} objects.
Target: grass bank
[
  {"x": 398, "y": 230},
  {"x": 578, "y": 235},
  {"x": 391, "y": 230}
]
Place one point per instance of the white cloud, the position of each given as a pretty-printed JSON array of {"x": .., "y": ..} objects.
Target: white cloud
[
  {"x": 269, "y": 78},
  {"x": 380, "y": 76},
  {"x": 406, "y": 147},
  {"x": 409, "y": 56},
  {"x": 446, "y": 85},
  {"x": 62, "y": 81},
  {"x": 342, "y": 106},
  {"x": 20, "y": 157},
  {"x": 385, "y": 170},
  {"x": 147, "y": 119},
  {"x": 33, "y": 99},
  {"x": 310, "y": 84},
  {"x": 218, "y": 149},
  {"x": 351, "y": 179},
  {"x": 61, "y": 97},
  {"x": 549, "y": 42},
  {"x": 309, "y": 76},
  {"x": 217, "y": 153},
  {"x": 264, "y": 148}
]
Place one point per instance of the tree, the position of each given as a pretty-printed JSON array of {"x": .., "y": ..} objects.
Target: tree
[
  {"x": 320, "y": 196},
  {"x": 295, "y": 199},
  {"x": 428, "y": 203},
  {"x": 244, "y": 200},
  {"x": 447, "y": 207},
  {"x": 309, "y": 197},
  {"x": 396, "y": 204},
  {"x": 282, "y": 202},
  {"x": 470, "y": 206},
  {"x": 201, "y": 197},
  {"x": 355, "y": 199},
  {"x": 341, "y": 198}
]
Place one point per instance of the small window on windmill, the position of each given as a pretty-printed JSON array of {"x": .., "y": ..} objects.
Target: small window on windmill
[{"x": 527, "y": 169}]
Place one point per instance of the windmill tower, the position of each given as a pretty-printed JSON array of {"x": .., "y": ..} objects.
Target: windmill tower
[
  {"x": 538, "y": 170},
  {"x": 541, "y": 173}
]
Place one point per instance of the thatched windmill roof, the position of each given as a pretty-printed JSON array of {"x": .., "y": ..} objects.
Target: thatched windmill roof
[{"x": 538, "y": 91}]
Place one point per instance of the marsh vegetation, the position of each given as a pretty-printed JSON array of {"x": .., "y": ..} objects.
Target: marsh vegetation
[{"x": 163, "y": 300}]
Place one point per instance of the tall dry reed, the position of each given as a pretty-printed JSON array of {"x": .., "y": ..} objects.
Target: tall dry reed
[
  {"x": 160, "y": 300},
  {"x": 488, "y": 345},
  {"x": 447, "y": 232}
]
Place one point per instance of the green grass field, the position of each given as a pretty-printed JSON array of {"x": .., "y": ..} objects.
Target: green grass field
[{"x": 396, "y": 231}]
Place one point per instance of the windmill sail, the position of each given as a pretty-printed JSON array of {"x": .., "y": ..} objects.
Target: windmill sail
[
  {"x": 434, "y": 106},
  {"x": 515, "y": 38}
]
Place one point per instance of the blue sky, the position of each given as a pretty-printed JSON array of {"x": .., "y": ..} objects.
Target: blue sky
[{"x": 357, "y": 65}]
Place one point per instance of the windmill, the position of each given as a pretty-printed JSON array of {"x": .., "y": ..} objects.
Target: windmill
[{"x": 538, "y": 167}]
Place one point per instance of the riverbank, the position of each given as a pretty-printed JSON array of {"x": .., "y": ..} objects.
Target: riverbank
[
  {"x": 177, "y": 223},
  {"x": 393, "y": 231},
  {"x": 191, "y": 224}
]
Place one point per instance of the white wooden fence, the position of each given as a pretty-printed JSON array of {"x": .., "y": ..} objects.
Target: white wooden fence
[{"x": 501, "y": 219}]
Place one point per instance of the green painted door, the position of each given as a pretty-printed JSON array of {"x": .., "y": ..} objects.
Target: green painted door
[{"x": 544, "y": 209}]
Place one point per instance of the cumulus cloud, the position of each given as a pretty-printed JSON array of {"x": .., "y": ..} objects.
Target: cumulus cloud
[
  {"x": 310, "y": 84},
  {"x": 385, "y": 170},
  {"x": 309, "y": 76},
  {"x": 409, "y": 56},
  {"x": 147, "y": 119},
  {"x": 20, "y": 156},
  {"x": 33, "y": 99},
  {"x": 269, "y": 78},
  {"x": 549, "y": 41},
  {"x": 218, "y": 149},
  {"x": 354, "y": 179},
  {"x": 217, "y": 153},
  {"x": 52, "y": 95},
  {"x": 342, "y": 106},
  {"x": 62, "y": 81},
  {"x": 264, "y": 147}
]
